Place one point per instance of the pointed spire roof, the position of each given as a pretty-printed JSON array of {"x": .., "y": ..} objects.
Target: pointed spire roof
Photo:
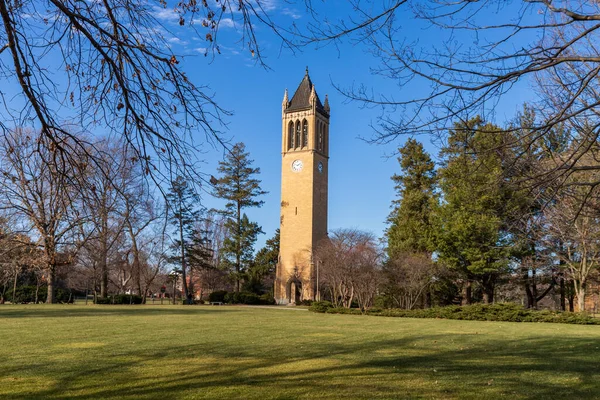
[{"x": 301, "y": 98}]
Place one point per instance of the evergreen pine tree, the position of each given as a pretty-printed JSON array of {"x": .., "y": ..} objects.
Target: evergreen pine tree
[
  {"x": 264, "y": 264},
  {"x": 240, "y": 188},
  {"x": 182, "y": 202},
  {"x": 471, "y": 232},
  {"x": 410, "y": 221}
]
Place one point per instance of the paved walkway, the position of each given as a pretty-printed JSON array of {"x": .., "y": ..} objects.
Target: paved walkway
[{"x": 293, "y": 308}]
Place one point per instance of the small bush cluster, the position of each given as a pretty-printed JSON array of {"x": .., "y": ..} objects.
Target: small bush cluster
[
  {"x": 478, "y": 312},
  {"x": 217, "y": 296},
  {"x": 267, "y": 299},
  {"x": 120, "y": 299},
  {"x": 321, "y": 306},
  {"x": 26, "y": 294},
  {"x": 241, "y": 298},
  {"x": 185, "y": 302}
]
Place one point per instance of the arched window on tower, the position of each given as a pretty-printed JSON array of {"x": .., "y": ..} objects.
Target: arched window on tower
[
  {"x": 305, "y": 133},
  {"x": 320, "y": 142},
  {"x": 297, "y": 141},
  {"x": 325, "y": 134},
  {"x": 290, "y": 138}
]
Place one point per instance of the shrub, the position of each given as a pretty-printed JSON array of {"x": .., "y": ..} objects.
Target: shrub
[
  {"x": 306, "y": 303},
  {"x": 120, "y": 299},
  {"x": 217, "y": 296},
  {"x": 126, "y": 299},
  {"x": 62, "y": 295},
  {"x": 267, "y": 299},
  {"x": 185, "y": 302},
  {"x": 321, "y": 306},
  {"x": 478, "y": 312},
  {"x": 249, "y": 298},
  {"x": 242, "y": 298},
  {"x": 26, "y": 294},
  {"x": 232, "y": 298},
  {"x": 102, "y": 300},
  {"x": 343, "y": 310}
]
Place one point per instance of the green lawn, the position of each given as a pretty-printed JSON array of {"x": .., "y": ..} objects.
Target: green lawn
[{"x": 178, "y": 352}]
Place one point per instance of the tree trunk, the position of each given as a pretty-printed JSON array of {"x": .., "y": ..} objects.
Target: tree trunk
[
  {"x": 561, "y": 264},
  {"x": 3, "y": 293},
  {"x": 534, "y": 291},
  {"x": 571, "y": 296},
  {"x": 488, "y": 283},
  {"x": 104, "y": 256},
  {"x": 174, "y": 284},
  {"x": 183, "y": 263},
  {"x": 238, "y": 247},
  {"x": 51, "y": 274},
  {"x": 563, "y": 305},
  {"x": 37, "y": 288},
  {"x": 14, "y": 293},
  {"x": 580, "y": 294},
  {"x": 488, "y": 294},
  {"x": 467, "y": 290},
  {"x": 103, "y": 279},
  {"x": 528, "y": 293}
]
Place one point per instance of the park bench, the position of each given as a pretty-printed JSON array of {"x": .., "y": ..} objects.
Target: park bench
[{"x": 216, "y": 303}]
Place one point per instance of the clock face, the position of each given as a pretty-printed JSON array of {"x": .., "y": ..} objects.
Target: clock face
[
  {"x": 320, "y": 167},
  {"x": 297, "y": 166}
]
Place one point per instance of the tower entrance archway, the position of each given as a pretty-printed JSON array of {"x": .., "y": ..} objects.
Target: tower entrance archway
[{"x": 293, "y": 290}]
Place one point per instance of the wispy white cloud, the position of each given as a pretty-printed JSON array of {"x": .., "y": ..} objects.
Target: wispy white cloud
[
  {"x": 267, "y": 5},
  {"x": 291, "y": 13},
  {"x": 165, "y": 14},
  {"x": 226, "y": 23},
  {"x": 223, "y": 23},
  {"x": 230, "y": 50},
  {"x": 176, "y": 40}
]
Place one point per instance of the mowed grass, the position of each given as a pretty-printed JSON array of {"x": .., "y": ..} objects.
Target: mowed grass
[{"x": 198, "y": 352}]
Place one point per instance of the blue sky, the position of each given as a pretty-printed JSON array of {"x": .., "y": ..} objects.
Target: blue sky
[{"x": 360, "y": 189}]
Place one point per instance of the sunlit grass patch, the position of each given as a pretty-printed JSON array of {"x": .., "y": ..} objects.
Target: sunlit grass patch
[{"x": 153, "y": 352}]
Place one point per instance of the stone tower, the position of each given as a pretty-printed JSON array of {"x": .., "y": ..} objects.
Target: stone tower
[{"x": 303, "y": 224}]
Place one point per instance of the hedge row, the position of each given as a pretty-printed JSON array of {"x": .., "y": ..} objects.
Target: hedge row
[
  {"x": 26, "y": 294},
  {"x": 223, "y": 296},
  {"x": 478, "y": 312},
  {"x": 120, "y": 299}
]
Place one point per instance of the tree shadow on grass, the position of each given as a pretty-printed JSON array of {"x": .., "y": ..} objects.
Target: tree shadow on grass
[
  {"x": 70, "y": 311},
  {"x": 410, "y": 367}
]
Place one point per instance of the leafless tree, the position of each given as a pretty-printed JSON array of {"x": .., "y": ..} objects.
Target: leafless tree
[
  {"x": 120, "y": 72},
  {"x": 154, "y": 260},
  {"x": 474, "y": 55},
  {"x": 577, "y": 230},
  {"x": 103, "y": 197},
  {"x": 367, "y": 276},
  {"x": 10, "y": 265},
  {"x": 210, "y": 277},
  {"x": 349, "y": 263},
  {"x": 117, "y": 71},
  {"x": 143, "y": 228},
  {"x": 407, "y": 278},
  {"x": 42, "y": 200}
]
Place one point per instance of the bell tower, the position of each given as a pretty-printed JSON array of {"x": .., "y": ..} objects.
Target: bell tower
[{"x": 304, "y": 169}]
